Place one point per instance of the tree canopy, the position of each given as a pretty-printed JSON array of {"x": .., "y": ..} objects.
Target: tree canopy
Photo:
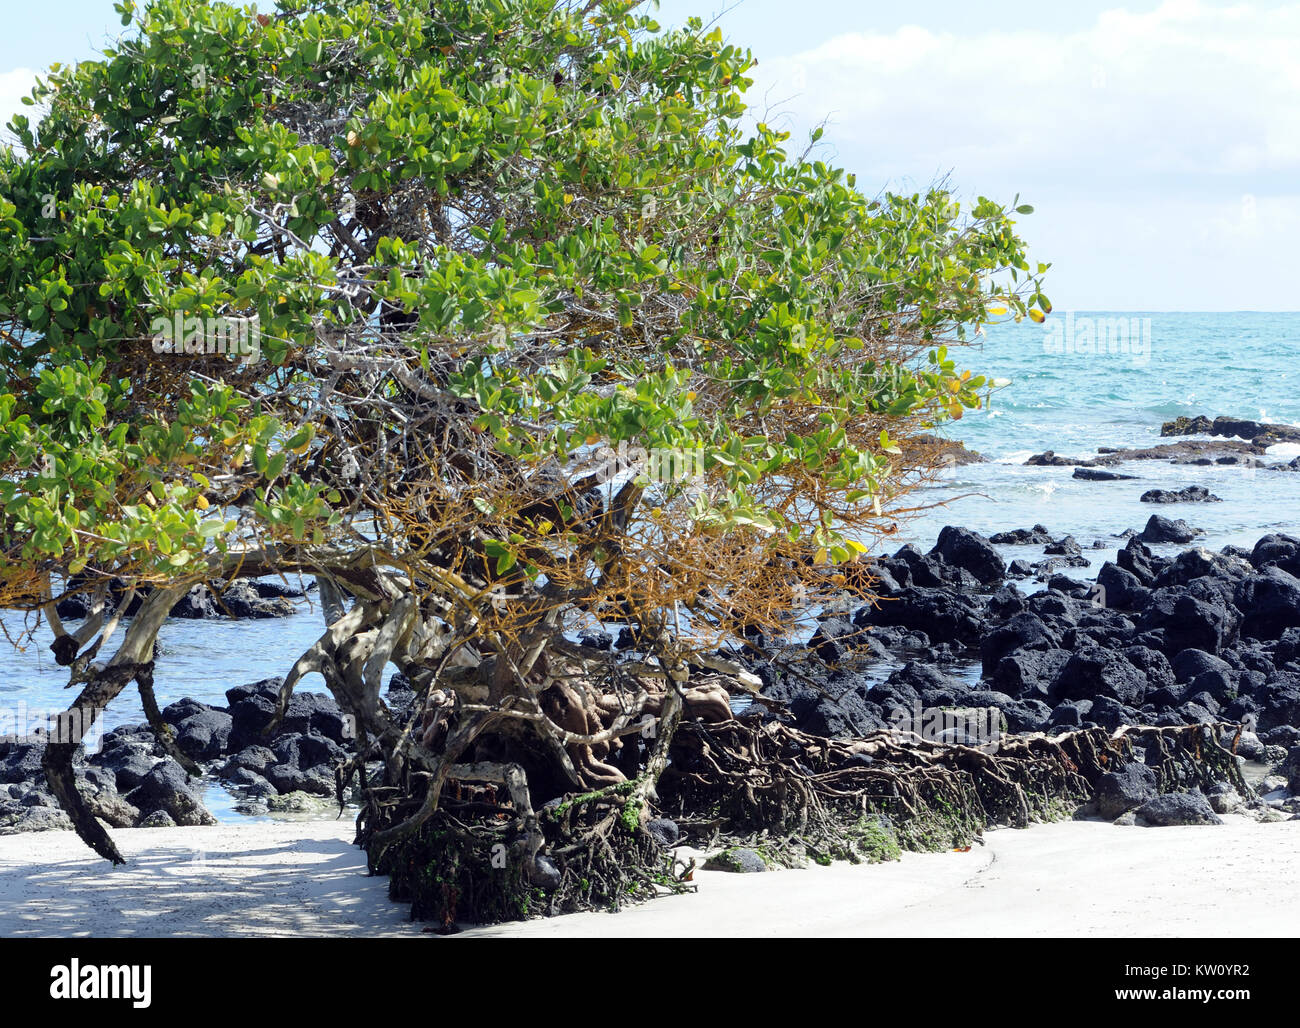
[{"x": 502, "y": 318}]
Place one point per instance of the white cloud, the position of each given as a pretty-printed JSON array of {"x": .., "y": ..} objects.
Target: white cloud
[
  {"x": 1136, "y": 138},
  {"x": 1185, "y": 89}
]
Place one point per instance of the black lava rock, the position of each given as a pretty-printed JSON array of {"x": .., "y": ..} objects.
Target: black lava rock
[
  {"x": 963, "y": 548},
  {"x": 1163, "y": 530},
  {"x": 1125, "y": 789},
  {"x": 167, "y": 788},
  {"x": 1178, "y": 808},
  {"x": 1269, "y": 603},
  {"x": 1191, "y": 494}
]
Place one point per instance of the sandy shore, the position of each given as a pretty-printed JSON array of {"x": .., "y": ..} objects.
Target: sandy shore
[
  {"x": 264, "y": 879},
  {"x": 304, "y": 878}
]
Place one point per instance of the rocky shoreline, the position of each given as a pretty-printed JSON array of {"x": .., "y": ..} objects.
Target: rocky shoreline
[
  {"x": 1190, "y": 638},
  {"x": 1234, "y": 442},
  {"x": 1197, "y": 637},
  {"x": 131, "y": 781},
  {"x": 1193, "y": 638},
  {"x": 240, "y": 599}
]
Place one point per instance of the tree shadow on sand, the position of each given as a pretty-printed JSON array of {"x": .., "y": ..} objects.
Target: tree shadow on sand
[{"x": 301, "y": 887}]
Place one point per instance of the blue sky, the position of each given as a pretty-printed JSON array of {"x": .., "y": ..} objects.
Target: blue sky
[{"x": 1158, "y": 142}]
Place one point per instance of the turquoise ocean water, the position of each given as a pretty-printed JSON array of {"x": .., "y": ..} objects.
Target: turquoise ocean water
[{"x": 1067, "y": 399}]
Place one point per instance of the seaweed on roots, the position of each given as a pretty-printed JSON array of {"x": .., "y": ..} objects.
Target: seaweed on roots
[
  {"x": 793, "y": 796},
  {"x": 469, "y": 861},
  {"x": 808, "y": 796},
  {"x": 1190, "y": 756}
]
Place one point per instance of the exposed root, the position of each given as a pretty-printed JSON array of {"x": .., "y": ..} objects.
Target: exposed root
[
  {"x": 469, "y": 862},
  {"x": 1189, "y": 756},
  {"x": 792, "y": 796},
  {"x": 743, "y": 780}
]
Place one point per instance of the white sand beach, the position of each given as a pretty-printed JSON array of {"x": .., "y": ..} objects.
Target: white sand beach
[{"x": 305, "y": 878}]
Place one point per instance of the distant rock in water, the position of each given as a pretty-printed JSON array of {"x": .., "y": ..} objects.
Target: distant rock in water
[
  {"x": 240, "y": 599},
  {"x": 1094, "y": 475},
  {"x": 1064, "y": 547},
  {"x": 1036, "y": 536},
  {"x": 1190, "y": 451},
  {"x": 1050, "y": 459},
  {"x": 1240, "y": 460},
  {"x": 1254, "y": 431},
  {"x": 243, "y": 599},
  {"x": 1191, "y": 494},
  {"x": 949, "y": 451}
]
